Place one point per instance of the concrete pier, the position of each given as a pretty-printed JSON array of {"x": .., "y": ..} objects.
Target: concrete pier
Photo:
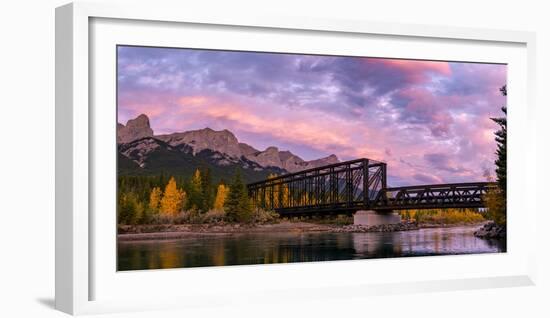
[{"x": 370, "y": 218}]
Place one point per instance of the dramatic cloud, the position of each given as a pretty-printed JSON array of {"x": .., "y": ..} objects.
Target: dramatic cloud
[{"x": 429, "y": 120}]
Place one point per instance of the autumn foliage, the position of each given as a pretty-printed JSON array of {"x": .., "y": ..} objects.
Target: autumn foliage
[
  {"x": 221, "y": 195},
  {"x": 172, "y": 201},
  {"x": 443, "y": 216},
  {"x": 154, "y": 199},
  {"x": 161, "y": 200},
  {"x": 496, "y": 205}
]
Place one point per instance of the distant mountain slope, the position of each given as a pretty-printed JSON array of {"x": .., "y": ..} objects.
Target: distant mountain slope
[
  {"x": 150, "y": 156},
  {"x": 143, "y": 153}
]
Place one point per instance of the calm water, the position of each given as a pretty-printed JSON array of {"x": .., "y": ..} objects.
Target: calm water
[{"x": 267, "y": 248}]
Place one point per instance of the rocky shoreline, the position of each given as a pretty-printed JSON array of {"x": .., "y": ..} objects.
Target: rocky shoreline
[
  {"x": 403, "y": 226},
  {"x": 177, "y": 231},
  {"x": 491, "y": 230}
]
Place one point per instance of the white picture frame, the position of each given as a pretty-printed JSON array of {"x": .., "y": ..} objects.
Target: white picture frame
[{"x": 76, "y": 163}]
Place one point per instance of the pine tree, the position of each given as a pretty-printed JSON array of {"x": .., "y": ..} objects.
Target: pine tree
[
  {"x": 237, "y": 205},
  {"x": 195, "y": 201},
  {"x": 172, "y": 201},
  {"x": 130, "y": 209},
  {"x": 124, "y": 209},
  {"x": 162, "y": 179},
  {"x": 495, "y": 199},
  {"x": 501, "y": 147},
  {"x": 221, "y": 195},
  {"x": 207, "y": 193}
]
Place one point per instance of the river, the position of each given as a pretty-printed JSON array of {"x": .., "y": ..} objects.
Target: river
[{"x": 267, "y": 248}]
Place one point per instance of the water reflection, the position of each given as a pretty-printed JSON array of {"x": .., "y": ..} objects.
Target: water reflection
[{"x": 269, "y": 248}]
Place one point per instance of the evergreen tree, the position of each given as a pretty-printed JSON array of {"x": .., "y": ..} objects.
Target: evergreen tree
[
  {"x": 130, "y": 209},
  {"x": 194, "y": 190},
  {"x": 237, "y": 205},
  {"x": 495, "y": 199},
  {"x": 162, "y": 180},
  {"x": 501, "y": 147},
  {"x": 207, "y": 192}
]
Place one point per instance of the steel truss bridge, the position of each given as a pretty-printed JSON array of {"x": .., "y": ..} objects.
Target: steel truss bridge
[{"x": 354, "y": 185}]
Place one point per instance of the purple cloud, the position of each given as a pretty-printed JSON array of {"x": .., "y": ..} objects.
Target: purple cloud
[{"x": 421, "y": 117}]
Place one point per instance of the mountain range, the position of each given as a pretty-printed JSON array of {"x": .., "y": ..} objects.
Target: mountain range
[{"x": 141, "y": 152}]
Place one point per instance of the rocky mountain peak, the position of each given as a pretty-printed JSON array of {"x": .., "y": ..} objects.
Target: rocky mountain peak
[
  {"x": 267, "y": 158},
  {"x": 222, "y": 141},
  {"x": 324, "y": 161},
  {"x": 141, "y": 120},
  {"x": 333, "y": 158},
  {"x": 134, "y": 129},
  {"x": 272, "y": 150}
]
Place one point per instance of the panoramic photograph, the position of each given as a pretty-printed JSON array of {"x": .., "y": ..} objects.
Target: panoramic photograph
[{"x": 244, "y": 158}]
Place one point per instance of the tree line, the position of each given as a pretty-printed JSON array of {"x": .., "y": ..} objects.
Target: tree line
[{"x": 162, "y": 198}]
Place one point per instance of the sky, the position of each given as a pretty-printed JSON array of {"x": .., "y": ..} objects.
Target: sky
[{"x": 428, "y": 120}]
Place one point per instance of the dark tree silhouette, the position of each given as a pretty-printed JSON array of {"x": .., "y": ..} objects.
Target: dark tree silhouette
[
  {"x": 237, "y": 204},
  {"x": 207, "y": 190},
  {"x": 501, "y": 147}
]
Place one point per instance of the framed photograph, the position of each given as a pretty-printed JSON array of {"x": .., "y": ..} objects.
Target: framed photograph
[{"x": 201, "y": 155}]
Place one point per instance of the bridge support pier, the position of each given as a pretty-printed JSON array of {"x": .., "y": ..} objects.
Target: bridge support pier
[{"x": 370, "y": 218}]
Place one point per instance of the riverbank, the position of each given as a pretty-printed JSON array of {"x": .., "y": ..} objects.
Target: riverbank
[{"x": 177, "y": 231}]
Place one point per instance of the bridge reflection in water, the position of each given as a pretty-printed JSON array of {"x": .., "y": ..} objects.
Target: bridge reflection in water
[{"x": 354, "y": 185}]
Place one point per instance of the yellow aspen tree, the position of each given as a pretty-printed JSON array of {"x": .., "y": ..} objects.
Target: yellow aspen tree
[
  {"x": 267, "y": 197},
  {"x": 304, "y": 198},
  {"x": 276, "y": 195},
  {"x": 154, "y": 199},
  {"x": 220, "y": 197},
  {"x": 496, "y": 205},
  {"x": 171, "y": 202},
  {"x": 284, "y": 196}
]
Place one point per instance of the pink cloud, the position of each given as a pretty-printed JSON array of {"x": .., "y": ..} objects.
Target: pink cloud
[
  {"x": 417, "y": 72},
  {"x": 303, "y": 127},
  {"x": 418, "y": 67}
]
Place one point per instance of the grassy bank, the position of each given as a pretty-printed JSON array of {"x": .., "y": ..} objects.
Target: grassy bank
[
  {"x": 216, "y": 221},
  {"x": 211, "y": 217}
]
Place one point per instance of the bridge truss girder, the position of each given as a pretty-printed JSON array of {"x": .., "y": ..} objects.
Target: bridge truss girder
[
  {"x": 345, "y": 185},
  {"x": 434, "y": 196},
  {"x": 357, "y": 185}
]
